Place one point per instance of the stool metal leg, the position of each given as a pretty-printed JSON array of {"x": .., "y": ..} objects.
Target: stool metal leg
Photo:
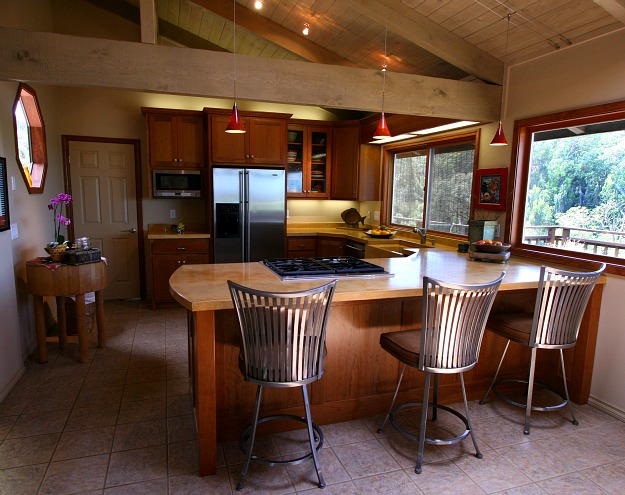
[
  {"x": 530, "y": 391},
  {"x": 248, "y": 457},
  {"x": 566, "y": 389},
  {"x": 492, "y": 384},
  {"x": 390, "y": 410},
  {"x": 478, "y": 454},
  {"x": 435, "y": 399},
  {"x": 424, "y": 419},
  {"x": 311, "y": 437}
]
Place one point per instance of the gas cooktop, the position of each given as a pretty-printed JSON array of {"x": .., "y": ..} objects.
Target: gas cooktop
[{"x": 340, "y": 266}]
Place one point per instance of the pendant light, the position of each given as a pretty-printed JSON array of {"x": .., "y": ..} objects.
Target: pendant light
[
  {"x": 235, "y": 125},
  {"x": 499, "y": 139},
  {"x": 382, "y": 131}
]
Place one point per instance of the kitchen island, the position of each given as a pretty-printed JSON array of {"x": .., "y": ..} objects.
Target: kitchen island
[{"x": 359, "y": 377}]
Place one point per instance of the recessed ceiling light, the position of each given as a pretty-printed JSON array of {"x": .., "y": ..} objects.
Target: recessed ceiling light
[
  {"x": 306, "y": 29},
  {"x": 258, "y": 4},
  {"x": 446, "y": 127}
]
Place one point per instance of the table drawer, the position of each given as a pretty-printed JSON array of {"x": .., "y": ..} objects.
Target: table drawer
[{"x": 180, "y": 246}]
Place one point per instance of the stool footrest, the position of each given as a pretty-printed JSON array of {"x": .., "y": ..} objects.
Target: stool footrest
[
  {"x": 434, "y": 441},
  {"x": 523, "y": 405},
  {"x": 245, "y": 434}
]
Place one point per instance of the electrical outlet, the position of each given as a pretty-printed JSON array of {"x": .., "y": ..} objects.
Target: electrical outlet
[
  {"x": 497, "y": 231},
  {"x": 14, "y": 233},
  {"x": 376, "y": 215},
  {"x": 12, "y": 183},
  {"x": 172, "y": 213},
  {"x": 287, "y": 213}
]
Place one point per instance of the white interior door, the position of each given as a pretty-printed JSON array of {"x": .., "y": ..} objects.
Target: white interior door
[{"x": 105, "y": 209}]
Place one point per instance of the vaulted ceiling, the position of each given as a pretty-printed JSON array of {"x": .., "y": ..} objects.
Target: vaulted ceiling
[{"x": 453, "y": 39}]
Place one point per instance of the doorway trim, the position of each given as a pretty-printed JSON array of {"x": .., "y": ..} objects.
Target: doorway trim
[{"x": 136, "y": 143}]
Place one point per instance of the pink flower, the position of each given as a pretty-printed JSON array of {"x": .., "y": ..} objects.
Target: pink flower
[{"x": 56, "y": 206}]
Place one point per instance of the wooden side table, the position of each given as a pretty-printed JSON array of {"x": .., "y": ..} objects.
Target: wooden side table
[{"x": 60, "y": 280}]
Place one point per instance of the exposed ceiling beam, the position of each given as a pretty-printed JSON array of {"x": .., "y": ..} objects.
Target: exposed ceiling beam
[
  {"x": 64, "y": 60},
  {"x": 421, "y": 31},
  {"x": 614, "y": 7},
  {"x": 149, "y": 21},
  {"x": 263, "y": 27}
]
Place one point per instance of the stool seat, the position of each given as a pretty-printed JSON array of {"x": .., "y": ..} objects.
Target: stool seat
[
  {"x": 515, "y": 326},
  {"x": 403, "y": 345}
]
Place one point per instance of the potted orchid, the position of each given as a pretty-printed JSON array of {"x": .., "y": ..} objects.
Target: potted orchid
[{"x": 56, "y": 206}]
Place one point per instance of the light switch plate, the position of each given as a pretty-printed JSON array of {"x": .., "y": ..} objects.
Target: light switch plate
[
  {"x": 172, "y": 213},
  {"x": 14, "y": 233},
  {"x": 12, "y": 183}
]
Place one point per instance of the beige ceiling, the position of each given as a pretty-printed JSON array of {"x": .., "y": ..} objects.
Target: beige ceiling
[{"x": 453, "y": 39}]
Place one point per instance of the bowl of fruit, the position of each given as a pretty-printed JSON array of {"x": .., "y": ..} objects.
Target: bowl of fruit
[
  {"x": 382, "y": 232},
  {"x": 488, "y": 246}
]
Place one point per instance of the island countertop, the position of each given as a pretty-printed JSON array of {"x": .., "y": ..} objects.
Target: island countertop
[{"x": 204, "y": 288}]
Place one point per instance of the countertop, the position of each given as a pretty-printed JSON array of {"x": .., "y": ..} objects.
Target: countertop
[{"x": 203, "y": 287}]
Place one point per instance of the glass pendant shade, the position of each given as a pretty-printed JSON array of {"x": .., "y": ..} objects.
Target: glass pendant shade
[
  {"x": 235, "y": 125},
  {"x": 382, "y": 130},
  {"x": 499, "y": 139}
]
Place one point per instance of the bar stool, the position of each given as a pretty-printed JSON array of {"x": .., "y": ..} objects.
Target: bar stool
[
  {"x": 560, "y": 304},
  {"x": 283, "y": 345},
  {"x": 452, "y": 325}
]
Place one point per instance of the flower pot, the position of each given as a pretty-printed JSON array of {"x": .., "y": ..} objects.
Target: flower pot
[{"x": 57, "y": 253}]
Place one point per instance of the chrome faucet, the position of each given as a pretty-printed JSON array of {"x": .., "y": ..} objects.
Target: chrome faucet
[{"x": 422, "y": 234}]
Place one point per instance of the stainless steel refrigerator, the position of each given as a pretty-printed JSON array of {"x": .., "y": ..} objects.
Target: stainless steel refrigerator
[{"x": 249, "y": 214}]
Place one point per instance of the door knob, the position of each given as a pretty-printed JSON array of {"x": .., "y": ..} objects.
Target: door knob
[{"x": 132, "y": 231}]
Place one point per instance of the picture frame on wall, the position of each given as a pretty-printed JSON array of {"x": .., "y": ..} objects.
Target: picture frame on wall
[
  {"x": 490, "y": 188},
  {"x": 5, "y": 222}
]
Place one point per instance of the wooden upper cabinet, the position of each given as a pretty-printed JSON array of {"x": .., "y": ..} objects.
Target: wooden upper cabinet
[
  {"x": 355, "y": 166},
  {"x": 309, "y": 161},
  {"x": 175, "y": 138},
  {"x": 263, "y": 143}
]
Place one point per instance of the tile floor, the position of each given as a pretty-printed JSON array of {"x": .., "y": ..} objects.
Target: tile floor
[{"x": 122, "y": 424}]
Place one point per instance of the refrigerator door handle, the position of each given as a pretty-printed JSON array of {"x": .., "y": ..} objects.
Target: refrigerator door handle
[{"x": 247, "y": 249}]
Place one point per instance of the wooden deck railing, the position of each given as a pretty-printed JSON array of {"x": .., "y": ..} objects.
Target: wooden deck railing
[{"x": 585, "y": 240}]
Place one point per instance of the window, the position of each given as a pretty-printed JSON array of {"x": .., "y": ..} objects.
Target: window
[
  {"x": 5, "y": 223},
  {"x": 30, "y": 139},
  {"x": 429, "y": 184},
  {"x": 569, "y": 198}
]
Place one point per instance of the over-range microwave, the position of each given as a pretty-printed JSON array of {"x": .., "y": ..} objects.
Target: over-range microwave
[{"x": 177, "y": 183}]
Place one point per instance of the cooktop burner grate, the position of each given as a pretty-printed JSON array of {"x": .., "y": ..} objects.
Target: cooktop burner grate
[{"x": 303, "y": 267}]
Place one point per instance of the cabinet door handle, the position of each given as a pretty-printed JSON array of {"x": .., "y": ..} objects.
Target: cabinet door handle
[
  {"x": 252, "y": 157},
  {"x": 181, "y": 248}
]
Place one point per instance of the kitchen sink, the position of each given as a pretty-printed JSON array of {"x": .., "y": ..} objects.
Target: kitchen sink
[{"x": 393, "y": 249}]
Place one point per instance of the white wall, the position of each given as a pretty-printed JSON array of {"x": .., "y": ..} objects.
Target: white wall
[{"x": 583, "y": 75}]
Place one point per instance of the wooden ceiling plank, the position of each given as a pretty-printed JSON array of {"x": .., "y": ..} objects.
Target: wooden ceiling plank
[
  {"x": 418, "y": 29},
  {"x": 195, "y": 18},
  {"x": 55, "y": 59},
  {"x": 273, "y": 33},
  {"x": 185, "y": 38}
]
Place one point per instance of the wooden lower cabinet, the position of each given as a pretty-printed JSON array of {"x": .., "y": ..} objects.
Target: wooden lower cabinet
[
  {"x": 167, "y": 257},
  {"x": 330, "y": 246},
  {"x": 301, "y": 247}
]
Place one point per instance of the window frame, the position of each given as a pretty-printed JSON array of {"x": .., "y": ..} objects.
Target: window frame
[
  {"x": 27, "y": 97},
  {"x": 518, "y": 180},
  {"x": 389, "y": 150},
  {"x": 5, "y": 219}
]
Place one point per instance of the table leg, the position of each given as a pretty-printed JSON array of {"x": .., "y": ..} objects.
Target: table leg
[
  {"x": 81, "y": 312},
  {"x": 61, "y": 316},
  {"x": 204, "y": 377},
  {"x": 99, "y": 315},
  {"x": 42, "y": 349}
]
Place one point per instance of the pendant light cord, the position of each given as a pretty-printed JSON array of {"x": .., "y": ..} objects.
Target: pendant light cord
[
  {"x": 234, "y": 48},
  {"x": 505, "y": 56},
  {"x": 385, "y": 64}
]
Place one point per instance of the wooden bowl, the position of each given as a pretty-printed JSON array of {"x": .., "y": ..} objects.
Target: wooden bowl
[{"x": 491, "y": 248}]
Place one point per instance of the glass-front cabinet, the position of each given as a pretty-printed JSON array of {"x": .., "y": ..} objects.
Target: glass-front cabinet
[{"x": 308, "y": 161}]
